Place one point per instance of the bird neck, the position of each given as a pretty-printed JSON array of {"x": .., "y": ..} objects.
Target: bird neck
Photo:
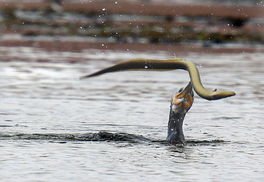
[{"x": 175, "y": 131}]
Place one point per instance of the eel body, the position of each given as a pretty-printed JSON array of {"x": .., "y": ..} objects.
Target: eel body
[{"x": 164, "y": 65}]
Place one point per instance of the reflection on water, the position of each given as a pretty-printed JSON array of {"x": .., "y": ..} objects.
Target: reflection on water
[{"x": 55, "y": 126}]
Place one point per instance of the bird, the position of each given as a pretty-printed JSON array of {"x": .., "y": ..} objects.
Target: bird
[{"x": 181, "y": 103}]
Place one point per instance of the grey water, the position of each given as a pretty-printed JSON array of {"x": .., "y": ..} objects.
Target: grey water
[{"x": 55, "y": 127}]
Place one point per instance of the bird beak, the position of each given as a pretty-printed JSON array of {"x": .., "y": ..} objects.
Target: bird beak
[{"x": 188, "y": 89}]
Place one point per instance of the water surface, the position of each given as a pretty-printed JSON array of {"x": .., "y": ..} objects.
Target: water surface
[{"x": 55, "y": 127}]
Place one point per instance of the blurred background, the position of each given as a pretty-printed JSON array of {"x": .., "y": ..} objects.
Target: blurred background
[{"x": 171, "y": 25}]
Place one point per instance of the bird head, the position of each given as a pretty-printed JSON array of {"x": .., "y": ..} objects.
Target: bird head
[{"x": 183, "y": 100}]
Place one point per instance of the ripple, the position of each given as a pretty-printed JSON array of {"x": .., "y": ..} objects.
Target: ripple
[
  {"x": 226, "y": 118},
  {"x": 5, "y": 126},
  {"x": 101, "y": 136}
]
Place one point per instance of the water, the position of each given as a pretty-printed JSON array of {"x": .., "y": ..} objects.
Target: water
[{"x": 55, "y": 127}]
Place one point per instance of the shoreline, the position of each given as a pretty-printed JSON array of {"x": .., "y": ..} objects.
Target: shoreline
[
  {"x": 79, "y": 46},
  {"x": 105, "y": 25}
]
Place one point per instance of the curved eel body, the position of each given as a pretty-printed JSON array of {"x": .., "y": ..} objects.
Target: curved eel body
[{"x": 164, "y": 65}]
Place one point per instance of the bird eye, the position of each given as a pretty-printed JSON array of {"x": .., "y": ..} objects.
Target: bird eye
[{"x": 181, "y": 89}]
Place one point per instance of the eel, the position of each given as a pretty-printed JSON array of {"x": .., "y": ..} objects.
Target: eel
[{"x": 164, "y": 65}]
